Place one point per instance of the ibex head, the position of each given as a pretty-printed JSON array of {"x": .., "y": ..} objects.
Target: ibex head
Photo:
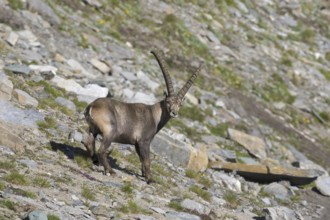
[{"x": 173, "y": 102}]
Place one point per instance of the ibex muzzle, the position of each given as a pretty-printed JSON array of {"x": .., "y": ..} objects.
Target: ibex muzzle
[{"x": 132, "y": 123}]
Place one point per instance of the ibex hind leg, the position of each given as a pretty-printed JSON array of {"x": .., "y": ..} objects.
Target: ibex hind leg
[
  {"x": 103, "y": 155},
  {"x": 144, "y": 149},
  {"x": 89, "y": 143},
  {"x": 137, "y": 148}
]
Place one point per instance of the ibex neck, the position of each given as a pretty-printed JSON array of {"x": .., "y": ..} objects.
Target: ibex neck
[{"x": 161, "y": 114}]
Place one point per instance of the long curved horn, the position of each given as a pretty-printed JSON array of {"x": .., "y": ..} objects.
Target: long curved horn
[
  {"x": 189, "y": 83},
  {"x": 168, "y": 81}
]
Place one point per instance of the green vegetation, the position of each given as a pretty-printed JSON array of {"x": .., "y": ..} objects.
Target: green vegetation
[
  {"x": 16, "y": 4},
  {"x": 228, "y": 76},
  {"x": 83, "y": 161},
  {"x": 80, "y": 105},
  {"x": 48, "y": 123},
  {"x": 192, "y": 113},
  {"x": 127, "y": 188},
  {"x": 53, "y": 217},
  {"x": 275, "y": 91},
  {"x": 286, "y": 61},
  {"x": 16, "y": 178},
  {"x": 201, "y": 193},
  {"x": 87, "y": 193},
  {"x": 176, "y": 206},
  {"x": 8, "y": 204},
  {"x": 219, "y": 130},
  {"x": 306, "y": 35},
  {"x": 133, "y": 208},
  {"x": 41, "y": 182},
  {"x": 2, "y": 186},
  {"x": 190, "y": 132},
  {"x": 325, "y": 73},
  {"x": 199, "y": 177},
  {"x": 231, "y": 198},
  {"x": 7, "y": 165},
  {"x": 325, "y": 116},
  {"x": 326, "y": 56}
]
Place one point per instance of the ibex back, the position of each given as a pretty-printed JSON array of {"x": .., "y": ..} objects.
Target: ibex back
[{"x": 132, "y": 123}]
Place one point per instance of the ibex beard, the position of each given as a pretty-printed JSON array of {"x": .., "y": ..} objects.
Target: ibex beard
[{"x": 132, "y": 123}]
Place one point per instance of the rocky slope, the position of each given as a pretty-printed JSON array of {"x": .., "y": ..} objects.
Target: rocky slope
[{"x": 252, "y": 139}]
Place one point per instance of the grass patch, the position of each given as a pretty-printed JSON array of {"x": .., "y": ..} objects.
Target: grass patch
[
  {"x": 82, "y": 161},
  {"x": 7, "y": 165},
  {"x": 2, "y": 186},
  {"x": 176, "y": 206},
  {"x": 87, "y": 193},
  {"x": 276, "y": 91},
  {"x": 325, "y": 73},
  {"x": 16, "y": 4},
  {"x": 53, "y": 217},
  {"x": 127, "y": 188},
  {"x": 160, "y": 170},
  {"x": 8, "y": 204},
  {"x": 192, "y": 113},
  {"x": 201, "y": 193},
  {"x": 80, "y": 105},
  {"x": 190, "y": 132},
  {"x": 16, "y": 178},
  {"x": 231, "y": 198},
  {"x": 325, "y": 116},
  {"x": 41, "y": 182},
  {"x": 133, "y": 208},
  {"x": 219, "y": 130},
  {"x": 327, "y": 56},
  {"x": 229, "y": 76},
  {"x": 199, "y": 177}
]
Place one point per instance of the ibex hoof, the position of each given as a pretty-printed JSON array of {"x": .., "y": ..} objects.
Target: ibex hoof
[
  {"x": 109, "y": 172},
  {"x": 150, "y": 180}
]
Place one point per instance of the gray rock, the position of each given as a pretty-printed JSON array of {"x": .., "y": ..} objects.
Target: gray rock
[
  {"x": 29, "y": 38},
  {"x": 143, "y": 217},
  {"x": 6, "y": 88},
  {"x": 29, "y": 163},
  {"x": 129, "y": 76},
  {"x": 76, "y": 136},
  {"x": 195, "y": 207},
  {"x": 228, "y": 181},
  {"x": 278, "y": 191},
  {"x": 18, "y": 69},
  {"x": 6, "y": 150},
  {"x": 143, "y": 98},
  {"x": 147, "y": 81},
  {"x": 66, "y": 103},
  {"x": 77, "y": 67},
  {"x": 93, "y": 3},
  {"x": 44, "y": 10},
  {"x": 254, "y": 145},
  {"x": 12, "y": 38},
  {"x": 90, "y": 91},
  {"x": 280, "y": 212},
  {"x": 323, "y": 185},
  {"x": 100, "y": 210},
  {"x": 158, "y": 210},
  {"x": 248, "y": 160},
  {"x": 172, "y": 215},
  {"x": 24, "y": 98},
  {"x": 18, "y": 116},
  {"x": 37, "y": 215},
  {"x": 45, "y": 70},
  {"x": 101, "y": 66}
]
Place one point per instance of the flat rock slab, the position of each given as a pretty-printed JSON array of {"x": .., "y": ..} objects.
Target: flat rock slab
[
  {"x": 254, "y": 145},
  {"x": 263, "y": 173},
  {"x": 9, "y": 139}
]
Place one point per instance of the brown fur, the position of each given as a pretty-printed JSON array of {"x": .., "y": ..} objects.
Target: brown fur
[{"x": 130, "y": 123}]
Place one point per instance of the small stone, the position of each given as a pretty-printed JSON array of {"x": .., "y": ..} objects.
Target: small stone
[
  {"x": 280, "y": 212},
  {"x": 31, "y": 164},
  {"x": 279, "y": 191},
  {"x": 45, "y": 70},
  {"x": 12, "y": 38},
  {"x": 37, "y": 215},
  {"x": 228, "y": 181},
  {"x": 6, "y": 88},
  {"x": 195, "y": 207},
  {"x": 76, "y": 66},
  {"x": 66, "y": 103},
  {"x": 24, "y": 98},
  {"x": 18, "y": 69},
  {"x": 323, "y": 185},
  {"x": 158, "y": 210},
  {"x": 6, "y": 150},
  {"x": 101, "y": 66},
  {"x": 100, "y": 210},
  {"x": 172, "y": 215},
  {"x": 76, "y": 136}
]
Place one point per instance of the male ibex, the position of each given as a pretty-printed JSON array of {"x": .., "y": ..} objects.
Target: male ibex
[{"x": 132, "y": 123}]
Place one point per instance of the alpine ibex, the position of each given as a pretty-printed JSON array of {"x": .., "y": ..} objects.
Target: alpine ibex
[{"x": 132, "y": 123}]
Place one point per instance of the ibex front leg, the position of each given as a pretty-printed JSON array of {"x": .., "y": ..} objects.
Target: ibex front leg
[
  {"x": 143, "y": 150},
  {"x": 103, "y": 155}
]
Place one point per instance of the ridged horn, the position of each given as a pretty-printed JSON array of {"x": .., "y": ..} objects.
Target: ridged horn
[
  {"x": 161, "y": 62},
  {"x": 189, "y": 83}
]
